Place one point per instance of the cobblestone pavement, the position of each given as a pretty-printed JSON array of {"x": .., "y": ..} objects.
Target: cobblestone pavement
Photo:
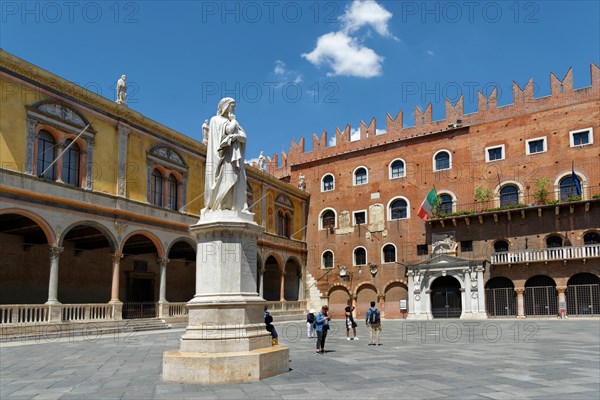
[{"x": 493, "y": 359}]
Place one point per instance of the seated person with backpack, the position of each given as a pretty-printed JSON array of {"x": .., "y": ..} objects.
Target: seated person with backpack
[
  {"x": 373, "y": 321},
  {"x": 271, "y": 328}
]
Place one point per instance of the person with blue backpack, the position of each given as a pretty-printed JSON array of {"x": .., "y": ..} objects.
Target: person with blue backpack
[{"x": 373, "y": 321}]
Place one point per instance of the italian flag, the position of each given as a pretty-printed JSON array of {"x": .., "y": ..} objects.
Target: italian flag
[{"x": 427, "y": 205}]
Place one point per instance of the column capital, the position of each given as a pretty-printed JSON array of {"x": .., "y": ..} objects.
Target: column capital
[
  {"x": 561, "y": 289},
  {"x": 116, "y": 256},
  {"x": 520, "y": 290},
  {"x": 55, "y": 251},
  {"x": 162, "y": 261},
  {"x": 123, "y": 130}
]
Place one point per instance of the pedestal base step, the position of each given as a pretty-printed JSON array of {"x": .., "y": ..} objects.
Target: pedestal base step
[{"x": 205, "y": 368}]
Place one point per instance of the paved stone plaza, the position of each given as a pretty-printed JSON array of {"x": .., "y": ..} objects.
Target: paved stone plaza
[{"x": 497, "y": 359}]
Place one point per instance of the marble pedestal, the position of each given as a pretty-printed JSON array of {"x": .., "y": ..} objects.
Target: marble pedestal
[{"x": 225, "y": 340}]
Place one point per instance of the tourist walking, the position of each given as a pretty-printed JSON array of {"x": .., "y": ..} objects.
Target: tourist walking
[
  {"x": 322, "y": 321},
  {"x": 373, "y": 321},
  {"x": 350, "y": 324},
  {"x": 310, "y": 324}
]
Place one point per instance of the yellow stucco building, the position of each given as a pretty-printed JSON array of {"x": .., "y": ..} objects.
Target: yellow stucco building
[{"x": 95, "y": 204}]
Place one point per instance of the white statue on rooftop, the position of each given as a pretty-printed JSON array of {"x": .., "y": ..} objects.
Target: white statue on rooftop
[
  {"x": 205, "y": 128},
  {"x": 122, "y": 90},
  {"x": 225, "y": 182},
  {"x": 261, "y": 161}
]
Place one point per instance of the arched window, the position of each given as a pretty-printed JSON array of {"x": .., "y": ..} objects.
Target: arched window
[
  {"x": 360, "y": 176},
  {"x": 398, "y": 209},
  {"x": 397, "y": 169},
  {"x": 328, "y": 219},
  {"x": 328, "y": 183},
  {"x": 569, "y": 187},
  {"x": 554, "y": 241},
  {"x": 173, "y": 193},
  {"x": 360, "y": 256},
  {"x": 70, "y": 164},
  {"x": 157, "y": 188},
  {"x": 285, "y": 210},
  {"x": 591, "y": 238},
  {"x": 509, "y": 196},
  {"x": 46, "y": 155},
  {"x": 284, "y": 223},
  {"x": 327, "y": 259},
  {"x": 445, "y": 204},
  {"x": 442, "y": 161},
  {"x": 501, "y": 246},
  {"x": 389, "y": 253}
]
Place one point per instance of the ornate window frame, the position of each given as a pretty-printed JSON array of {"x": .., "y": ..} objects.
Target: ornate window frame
[
  {"x": 170, "y": 163},
  {"x": 63, "y": 122}
]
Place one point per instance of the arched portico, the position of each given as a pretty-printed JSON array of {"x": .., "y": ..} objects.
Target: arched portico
[{"x": 446, "y": 286}]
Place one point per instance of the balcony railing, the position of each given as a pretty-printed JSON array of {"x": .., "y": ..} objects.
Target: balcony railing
[
  {"x": 544, "y": 255},
  {"x": 520, "y": 201}
]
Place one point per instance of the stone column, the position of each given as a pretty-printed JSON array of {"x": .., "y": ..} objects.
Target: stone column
[
  {"x": 520, "y": 303},
  {"x": 353, "y": 301},
  {"x": 282, "y": 288},
  {"x": 89, "y": 165},
  {"x": 162, "y": 262},
  {"x": 468, "y": 306},
  {"x": 58, "y": 161},
  {"x": 480, "y": 291},
  {"x": 116, "y": 271},
  {"x": 411, "y": 294},
  {"x": 163, "y": 304},
  {"x": 30, "y": 147},
  {"x": 261, "y": 278},
  {"x": 561, "y": 298},
  {"x": 53, "y": 283},
  {"x": 122, "y": 161}
]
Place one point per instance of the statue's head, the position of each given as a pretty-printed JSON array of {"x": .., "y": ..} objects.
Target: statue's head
[
  {"x": 224, "y": 105},
  {"x": 123, "y": 77}
]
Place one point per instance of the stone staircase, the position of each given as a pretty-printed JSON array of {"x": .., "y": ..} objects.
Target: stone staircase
[
  {"x": 287, "y": 316},
  {"x": 93, "y": 330}
]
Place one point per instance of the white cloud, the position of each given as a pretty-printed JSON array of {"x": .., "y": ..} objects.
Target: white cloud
[
  {"x": 354, "y": 134},
  {"x": 343, "y": 50},
  {"x": 380, "y": 131},
  {"x": 430, "y": 52},
  {"x": 252, "y": 161},
  {"x": 345, "y": 56},
  {"x": 366, "y": 13},
  {"x": 331, "y": 141},
  {"x": 279, "y": 67},
  {"x": 284, "y": 75}
]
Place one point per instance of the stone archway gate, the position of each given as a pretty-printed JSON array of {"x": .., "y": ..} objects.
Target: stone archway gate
[{"x": 469, "y": 273}]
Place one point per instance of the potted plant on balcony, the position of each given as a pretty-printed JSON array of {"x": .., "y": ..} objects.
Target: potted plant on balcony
[
  {"x": 482, "y": 196},
  {"x": 541, "y": 193}
]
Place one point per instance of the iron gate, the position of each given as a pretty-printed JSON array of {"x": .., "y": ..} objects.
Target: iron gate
[
  {"x": 446, "y": 303},
  {"x": 139, "y": 309},
  {"x": 541, "y": 301},
  {"x": 501, "y": 302},
  {"x": 583, "y": 300}
]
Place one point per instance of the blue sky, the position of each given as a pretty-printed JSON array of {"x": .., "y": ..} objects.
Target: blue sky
[{"x": 301, "y": 67}]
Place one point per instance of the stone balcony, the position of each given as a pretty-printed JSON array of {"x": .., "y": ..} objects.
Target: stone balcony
[{"x": 564, "y": 254}]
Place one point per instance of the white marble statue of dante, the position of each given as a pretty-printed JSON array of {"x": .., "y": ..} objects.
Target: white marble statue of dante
[{"x": 225, "y": 181}]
